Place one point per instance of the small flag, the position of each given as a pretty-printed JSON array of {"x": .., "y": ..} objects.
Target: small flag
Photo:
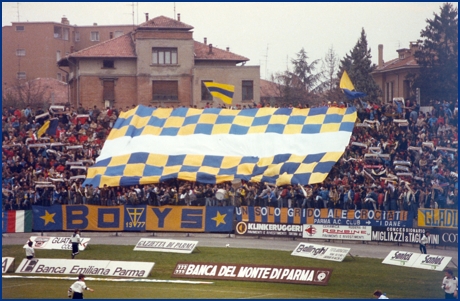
[
  {"x": 52, "y": 128},
  {"x": 345, "y": 82},
  {"x": 222, "y": 91},
  {"x": 43, "y": 129},
  {"x": 17, "y": 221}
]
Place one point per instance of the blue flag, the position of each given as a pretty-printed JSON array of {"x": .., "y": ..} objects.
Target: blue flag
[
  {"x": 353, "y": 94},
  {"x": 52, "y": 128}
]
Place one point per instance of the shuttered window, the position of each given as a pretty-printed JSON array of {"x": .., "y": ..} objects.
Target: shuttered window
[
  {"x": 109, "y": 90},
  {"x": 165, "y": 90}
]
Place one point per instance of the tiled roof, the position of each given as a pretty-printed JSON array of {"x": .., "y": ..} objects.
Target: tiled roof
[
  {"x": 122, "y": 46},
  {"x": 408, "y": 62},
  {"x": 202, "y": 53},
  {"x": 268, "y": 89},
  {"x": 163, "y": 22}
]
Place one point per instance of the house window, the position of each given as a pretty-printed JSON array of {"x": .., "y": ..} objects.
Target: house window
[
  {"x": 21, "y": 75},
  {"x": 59, "y": 77},
  {"x": 164, "y": 56},
  {"x": 118, "y": 33},
  {"x": 165, "y": 90},
  {"x": 108, "y": 64},
  {"x": 110, "y": 35},
  {"x": 65, "y": 34},
  {"x": 205, "y": 95},
  {"x": 20, "y": 28},
  {"x": 108, "y": 90},
  {"x": 247, "y": 90},
  {"x": 77, "y": 36},
  {"x": 57, "y": 32},
  {"x": 20, "y": 52},
  {"x": 94, "y": 36},
  {"x": 389, "y": 91},
  {"x": 58, "y": 55}
]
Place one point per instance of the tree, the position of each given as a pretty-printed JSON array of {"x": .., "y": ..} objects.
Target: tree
[
  {"x": 359, "y": 66},
  {"x": 438, "y": 56},
  {"x": 329, "y": 86},
  {"x": 303, "y": 71}
]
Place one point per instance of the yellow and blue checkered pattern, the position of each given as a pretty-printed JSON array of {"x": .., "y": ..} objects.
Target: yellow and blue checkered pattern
[{"x": 144, "y": 168}]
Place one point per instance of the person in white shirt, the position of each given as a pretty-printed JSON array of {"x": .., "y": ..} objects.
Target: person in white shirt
[
  {"x": 424, "y": 241},
  {"x": 379, "y": 295},
  {"x": 76, "y": 289},
  {"x": 30, "y": 252},
  {"x": 450, "y": 284},
  {"x": 76, "y": 240}
]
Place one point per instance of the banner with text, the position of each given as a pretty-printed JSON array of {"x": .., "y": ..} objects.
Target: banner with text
[
  {"x": 324, "y": 216},
  {"x": 417, "y": 260},
  {"x": 442, "y": 218},
  {"x": 133, "y": 218},
  {"x": 264, "y": 229},
  {"x": 133, "y": 269},
  {"x": 438, "y": 236},
  {"x": 309, "y": 250},
  {"x": 337, "y": 232},
  {"x": 166, "y": 245},
  {"x": 246, "y": 272},
  {"x": 56, "y": 243}
]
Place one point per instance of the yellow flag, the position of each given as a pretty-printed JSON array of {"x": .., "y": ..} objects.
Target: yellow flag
[
  {"x": 345, "y": 82},
  {"x": 222, "y": 91},
  {"x": 43, "y": 129}
]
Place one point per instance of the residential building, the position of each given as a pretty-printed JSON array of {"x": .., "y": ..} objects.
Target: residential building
[
  {"x": 31, "y": 50},
  {"x": 160, "y": 64},
  {"x": 391, "y": 76}
]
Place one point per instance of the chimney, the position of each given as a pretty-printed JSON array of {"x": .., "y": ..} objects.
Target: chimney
[
  {"x": 210, "y": 48},
  {"x": 94, "y": 24},
  {"x": 228, "y": 48},
  {"x": 380, "y": 55},
  {"x": 146, "y": 17},
  {"x": 206, "y": 41},
  {"x": 64, "y": 20},
  {"x": 178, "y": 17}
]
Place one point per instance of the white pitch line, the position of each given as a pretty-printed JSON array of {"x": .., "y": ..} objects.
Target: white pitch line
[{"x": 112, "y": 279}]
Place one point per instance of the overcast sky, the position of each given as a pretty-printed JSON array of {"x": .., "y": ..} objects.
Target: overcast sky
[{"x": 268, "y": 33}]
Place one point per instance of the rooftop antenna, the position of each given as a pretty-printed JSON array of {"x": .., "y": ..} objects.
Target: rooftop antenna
[
  {"x": 174, "y": 10},
  {"x": 266, "y": 62},
  {"x": 17, "y": 8}
]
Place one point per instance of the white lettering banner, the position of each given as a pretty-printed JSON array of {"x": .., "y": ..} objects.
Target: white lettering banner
[
  {"x": 87, "y": 267},
  {"x": 165, "y": 245},
  {"x": 320, "y": 252},
  {"x": 337, "y": 232},
  {"x": 56, "y": 243},
  {"x": 6, "y": 263},
  {"x": 416, "y": 260}
]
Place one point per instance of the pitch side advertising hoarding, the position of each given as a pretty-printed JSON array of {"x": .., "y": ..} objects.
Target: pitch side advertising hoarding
[
  {"x": 438, "y": 236},
  {"x": 417, "y": 260},
  {"x": 337, "y": 232},
  {"x": 6, "y": 263},
  {"x": 134, "y": 269},
  {"x": 166, "y": 245},
  {"x": 56, "y": 243},
  {"x": 266, "y": 229},
  {"x": 320, "y": 252},
  {"x": 248, "y": 272}
]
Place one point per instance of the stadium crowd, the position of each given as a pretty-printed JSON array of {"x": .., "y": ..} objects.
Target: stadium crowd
[{"x": 400, "y": 157}]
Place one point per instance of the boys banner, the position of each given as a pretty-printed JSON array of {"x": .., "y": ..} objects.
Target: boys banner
[
  {"x": 133, "y": 218},
  {"x": 325, "y": 216}
]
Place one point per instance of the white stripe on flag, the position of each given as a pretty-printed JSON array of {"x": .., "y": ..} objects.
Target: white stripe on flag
[
  {"x": 20, "y": 215},
  {"x": 258, "y": 145}
]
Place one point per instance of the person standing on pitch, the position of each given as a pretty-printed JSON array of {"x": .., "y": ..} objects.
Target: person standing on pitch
[
  {"x": 30, "y": 252},
  {"x": 76, "y": 289},
  {"x": 450, "y": 284},
  {"x": 424, "y": 241},
  {"x": 76, "y": 240}
]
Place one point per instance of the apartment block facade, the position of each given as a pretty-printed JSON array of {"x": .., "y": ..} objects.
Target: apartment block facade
[{"x": 31, "y": 50}]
